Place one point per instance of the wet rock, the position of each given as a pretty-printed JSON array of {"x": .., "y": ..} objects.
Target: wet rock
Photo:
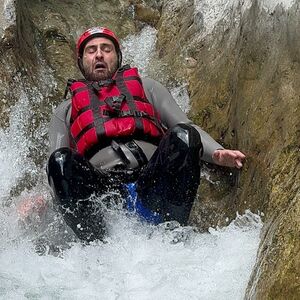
[
  {"x": 146, "y": 14},
  {"x": 244, "y": 91}
]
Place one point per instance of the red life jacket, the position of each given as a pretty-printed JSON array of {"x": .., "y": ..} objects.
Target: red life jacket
[{"x": 116, "y": 108}]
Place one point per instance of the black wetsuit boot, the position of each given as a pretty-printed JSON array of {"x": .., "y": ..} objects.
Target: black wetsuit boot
[
  {"x": 168, "y": 184},
  {"x": 73, "y": 180}
]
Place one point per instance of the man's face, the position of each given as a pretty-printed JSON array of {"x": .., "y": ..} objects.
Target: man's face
[{"x": 100, "y": 59}]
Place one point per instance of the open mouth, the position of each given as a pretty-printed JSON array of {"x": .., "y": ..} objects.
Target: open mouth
[{"x": 100, "y": 66}]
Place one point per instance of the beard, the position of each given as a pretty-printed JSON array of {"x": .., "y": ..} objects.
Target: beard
[{"x": 92, "y": 74}]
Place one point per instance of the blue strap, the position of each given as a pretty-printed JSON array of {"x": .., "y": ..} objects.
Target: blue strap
[{"x": 133, "y": 204}]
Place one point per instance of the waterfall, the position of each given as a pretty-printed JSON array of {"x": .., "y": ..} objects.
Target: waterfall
[{"x": 137, "y": 261}]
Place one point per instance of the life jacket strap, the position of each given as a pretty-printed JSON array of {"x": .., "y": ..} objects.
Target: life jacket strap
[
  {"x": 120, "y": 82},
  {"x": 67, "y": 89},
  {"x": 126, "y": 113}
]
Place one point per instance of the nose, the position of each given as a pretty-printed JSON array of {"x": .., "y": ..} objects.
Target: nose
[{"x": 99, "y": 53}]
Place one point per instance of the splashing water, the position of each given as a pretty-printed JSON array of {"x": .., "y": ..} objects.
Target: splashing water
[
  {"x": 137, "y": 260},
  {"x": 180, "y": 94},
  {"x": 208, "y": 14},
  {"x": 14, "y": 147},
  {"x": 137, "y": 49}
]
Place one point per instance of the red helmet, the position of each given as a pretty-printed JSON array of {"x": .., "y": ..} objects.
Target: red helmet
[{"x": 97, "y": 32}]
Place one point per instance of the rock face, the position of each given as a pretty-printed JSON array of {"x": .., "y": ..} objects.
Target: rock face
[
  {"x": 242, "y": 74},
  {"x": 241, "y": 61}
]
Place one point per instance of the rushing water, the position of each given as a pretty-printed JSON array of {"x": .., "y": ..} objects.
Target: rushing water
[{"x": 137, "y": 261}]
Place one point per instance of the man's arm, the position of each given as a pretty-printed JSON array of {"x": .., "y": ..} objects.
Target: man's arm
[
  {"x": 58, "y": 127},
  {"x": 171, "y": 114}
]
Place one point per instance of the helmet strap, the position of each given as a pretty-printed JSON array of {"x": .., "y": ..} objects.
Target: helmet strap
[
  {"x": 80, "y": 65},
  {"x": 119, "y": 59}
]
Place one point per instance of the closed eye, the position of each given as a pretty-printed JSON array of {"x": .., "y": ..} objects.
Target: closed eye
[
  {"x": 106, "y": 47},
  {"x": 103, "y": 47},
  {"x": 90, "y": 49}
]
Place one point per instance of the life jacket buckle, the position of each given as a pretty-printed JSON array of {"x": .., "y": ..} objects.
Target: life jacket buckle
[
  {"x": 97, "y": 85},
  {"x": 115, "y": 102}
]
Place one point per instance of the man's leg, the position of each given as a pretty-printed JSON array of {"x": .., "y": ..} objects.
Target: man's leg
[
  {"x": 73, "y": 180},
  {"x": 169, "y": 182}
]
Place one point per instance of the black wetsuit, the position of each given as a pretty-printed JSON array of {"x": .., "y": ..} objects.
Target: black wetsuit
[{"x": 166, "y": 176}]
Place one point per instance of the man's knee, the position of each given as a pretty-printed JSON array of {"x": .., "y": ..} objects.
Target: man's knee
[
  {"x": 58, "y": 159},
  {"x": 62, "y": 161},
  {"x": 187, "y": 134},
  {"x": 60, "y": 171}
]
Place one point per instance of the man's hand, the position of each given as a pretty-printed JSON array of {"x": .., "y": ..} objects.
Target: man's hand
[
  {"x": 30, "y": 208},
  {"x": 228, "y": 158}
]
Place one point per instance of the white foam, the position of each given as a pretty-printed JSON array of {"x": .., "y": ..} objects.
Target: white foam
[{"x": 138, "y": 262}]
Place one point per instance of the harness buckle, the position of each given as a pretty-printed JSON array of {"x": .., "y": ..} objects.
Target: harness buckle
[{"x": 135, "y": 150}]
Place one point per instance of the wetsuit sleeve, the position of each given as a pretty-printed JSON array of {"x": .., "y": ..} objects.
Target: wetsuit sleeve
[
  {"x": 58, "y": 127},
  {"x": 171, "y": 114}
]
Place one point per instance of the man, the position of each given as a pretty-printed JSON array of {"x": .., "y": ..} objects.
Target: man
[{"x": 121, "y": 133}]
